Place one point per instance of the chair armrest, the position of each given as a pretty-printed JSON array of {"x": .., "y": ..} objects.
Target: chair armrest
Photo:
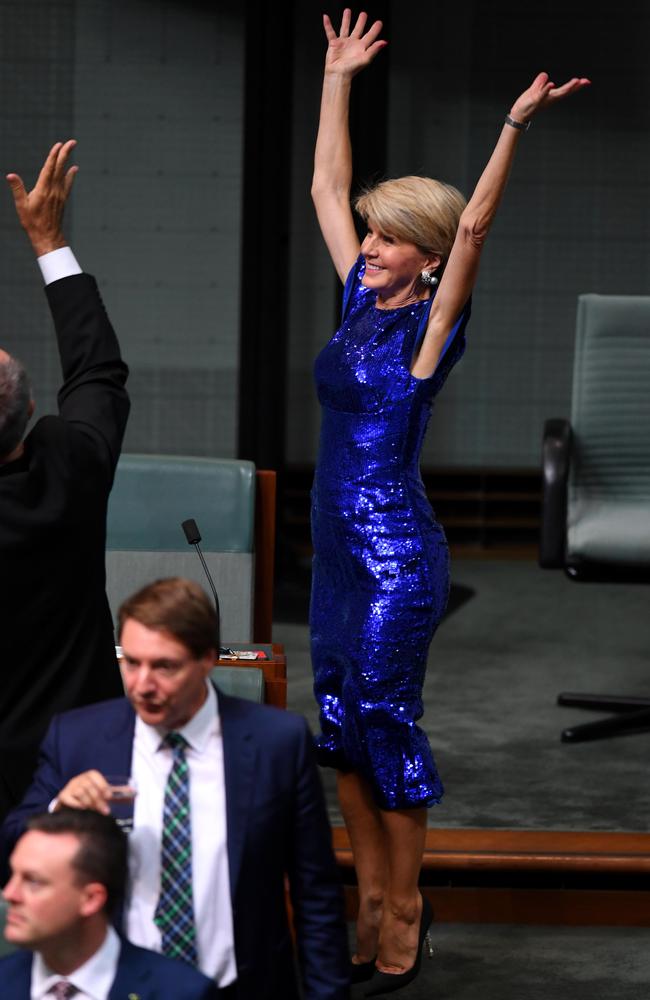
[{"x": 556, "y": 457}]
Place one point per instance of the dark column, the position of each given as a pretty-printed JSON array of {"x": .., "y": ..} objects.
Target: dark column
[
  {"x": 369, "y": 111},
  {"x": 265, "y": 229}
]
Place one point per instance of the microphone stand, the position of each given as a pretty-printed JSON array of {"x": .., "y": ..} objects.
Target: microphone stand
[{"x": 193, "y": 536}]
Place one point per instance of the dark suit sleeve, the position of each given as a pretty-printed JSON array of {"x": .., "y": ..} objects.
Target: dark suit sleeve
[
  {"x": 46, "y": 784},
  {"x": 92, "y": 397},
  {"x": 316, "y": 893}
]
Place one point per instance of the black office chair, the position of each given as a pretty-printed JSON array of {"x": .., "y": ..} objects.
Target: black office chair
[{"x": 596, "y": 476}]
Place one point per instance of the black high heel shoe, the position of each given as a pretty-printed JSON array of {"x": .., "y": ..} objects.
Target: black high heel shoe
[
  {"x": 388, "y": 982},
  {"x": 361, "y": 972}
]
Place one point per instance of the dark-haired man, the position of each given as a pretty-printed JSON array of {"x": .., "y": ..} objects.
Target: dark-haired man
[
  {"x": 228, "y": 799},
  {"x": 68, "y": 874},
  {"x": 56, "y": 634}
]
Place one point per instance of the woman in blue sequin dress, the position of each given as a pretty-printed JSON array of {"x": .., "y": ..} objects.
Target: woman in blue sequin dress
[{"x": 380, "y": 571}]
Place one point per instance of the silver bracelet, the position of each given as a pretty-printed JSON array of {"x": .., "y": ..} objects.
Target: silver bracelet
[{"x": 521, "y": 126}]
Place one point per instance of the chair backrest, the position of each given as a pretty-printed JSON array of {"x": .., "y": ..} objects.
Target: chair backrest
[
  {"x": 6, "y": 947},
  {"x": 608, "y": 518},
  {"x": 151, "y": 496},
  {"x": 242, "y": 682}
]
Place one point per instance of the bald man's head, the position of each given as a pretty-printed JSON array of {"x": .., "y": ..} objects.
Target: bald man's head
[{"x": 15, "y": 403}]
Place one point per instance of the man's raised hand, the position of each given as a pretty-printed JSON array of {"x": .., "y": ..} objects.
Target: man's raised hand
[{"x": 41, "y": 210}]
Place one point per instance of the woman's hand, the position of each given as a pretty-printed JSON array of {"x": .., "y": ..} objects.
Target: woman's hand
[
  {"x": 349, "y": 52},
  {"x": 543, "y": 92}
]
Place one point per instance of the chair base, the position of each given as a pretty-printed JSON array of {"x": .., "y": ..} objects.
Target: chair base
[{"x": 631, "y": 715}]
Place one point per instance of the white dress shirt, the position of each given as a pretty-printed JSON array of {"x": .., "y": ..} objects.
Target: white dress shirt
[
  {"x": 93, "y": 979},
  {"x": 57, "y": 264},
  {"x": 150, "y": 768}
]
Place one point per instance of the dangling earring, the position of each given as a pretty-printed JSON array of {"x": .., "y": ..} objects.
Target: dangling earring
[{"x": 428, "y": 278}]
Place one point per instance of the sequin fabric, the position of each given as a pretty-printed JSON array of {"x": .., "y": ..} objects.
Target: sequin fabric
[{"x": 381, "y": 567}]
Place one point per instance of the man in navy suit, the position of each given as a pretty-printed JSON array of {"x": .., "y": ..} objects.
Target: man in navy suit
[
  {"x": 255, "y": 800},
  {"x": 68, "y": 872}
]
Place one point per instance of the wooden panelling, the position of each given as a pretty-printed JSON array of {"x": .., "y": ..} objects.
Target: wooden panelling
[
  {"x": 528, "y": 876},
  {"x": 525, "y": 850}
]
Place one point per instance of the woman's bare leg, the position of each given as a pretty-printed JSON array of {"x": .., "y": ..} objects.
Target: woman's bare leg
[
  {"x": 363, "y": 820},
  {"x": 405, "y": 831}
]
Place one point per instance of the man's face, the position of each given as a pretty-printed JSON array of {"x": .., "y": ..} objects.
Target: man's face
[
  {"x": 164, "y": 682},
  {"x": 46, "y": 897}
]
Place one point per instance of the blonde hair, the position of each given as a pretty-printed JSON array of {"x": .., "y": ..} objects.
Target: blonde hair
[{"x": 417, "y": 210}]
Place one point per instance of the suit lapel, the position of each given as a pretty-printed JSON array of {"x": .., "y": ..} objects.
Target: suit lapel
[
  {"x": 119, "y": 735},
  {"x": 16, "y": 976},
  {"x": 133, "y": 977},
  {"x": 239, "y": 771}
]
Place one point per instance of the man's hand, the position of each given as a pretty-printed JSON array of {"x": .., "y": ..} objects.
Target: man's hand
[
  {"x": 41, "y": 210},
  {"x": 89, "y": 790}
]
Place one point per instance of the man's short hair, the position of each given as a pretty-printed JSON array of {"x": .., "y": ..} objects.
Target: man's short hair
[
  {"x": 15, "y": 397},
  {"x": 103, "y": 850},
  {"x": 178, "y": 606}
]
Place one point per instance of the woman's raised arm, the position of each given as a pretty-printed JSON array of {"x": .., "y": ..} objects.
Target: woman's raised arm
[
  {"x": 460, "y": 273},
  {"x": 347, "y": 54}
]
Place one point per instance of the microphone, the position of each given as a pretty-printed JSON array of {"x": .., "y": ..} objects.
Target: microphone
[{"x": 193, "y": 536}]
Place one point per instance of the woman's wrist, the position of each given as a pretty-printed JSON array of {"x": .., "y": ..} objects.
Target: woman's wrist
[
  {"x": 519, "y": 115},
  {"x": 337, "y": 84},
  {"x": 339, "y": 74},
  {"x": 518, "y": 123}
]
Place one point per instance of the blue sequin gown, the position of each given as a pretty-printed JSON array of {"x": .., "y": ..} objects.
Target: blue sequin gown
[{"x": 381, "y": 567}]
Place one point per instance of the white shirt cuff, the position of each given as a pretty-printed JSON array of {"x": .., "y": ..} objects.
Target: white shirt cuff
[{"x": 57, "y": 264}]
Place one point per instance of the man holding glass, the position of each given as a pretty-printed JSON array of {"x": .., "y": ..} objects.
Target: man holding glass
[{"x": 228, "y": 803}]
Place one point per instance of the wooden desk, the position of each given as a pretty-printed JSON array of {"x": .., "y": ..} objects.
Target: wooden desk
[{"x": 274, "y": 670}]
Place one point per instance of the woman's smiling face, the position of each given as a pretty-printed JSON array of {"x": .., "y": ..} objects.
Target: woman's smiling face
[{"x": 393, "y": 266}]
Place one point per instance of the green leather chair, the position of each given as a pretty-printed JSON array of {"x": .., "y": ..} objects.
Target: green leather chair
[
  {"x": 243, "y": 682},
  {"x": 151, "y": 496},
  {"x": 6, "y": 947},
  {"x": 596, "y": 474}
]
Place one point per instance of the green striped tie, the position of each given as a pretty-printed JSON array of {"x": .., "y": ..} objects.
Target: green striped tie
[{"x": 175, "y": 910}]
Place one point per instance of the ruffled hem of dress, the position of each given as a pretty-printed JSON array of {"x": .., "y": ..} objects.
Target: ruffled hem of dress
[
  {"x": 434, "y": 800},
  {"x": 337, "y": 759}
]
